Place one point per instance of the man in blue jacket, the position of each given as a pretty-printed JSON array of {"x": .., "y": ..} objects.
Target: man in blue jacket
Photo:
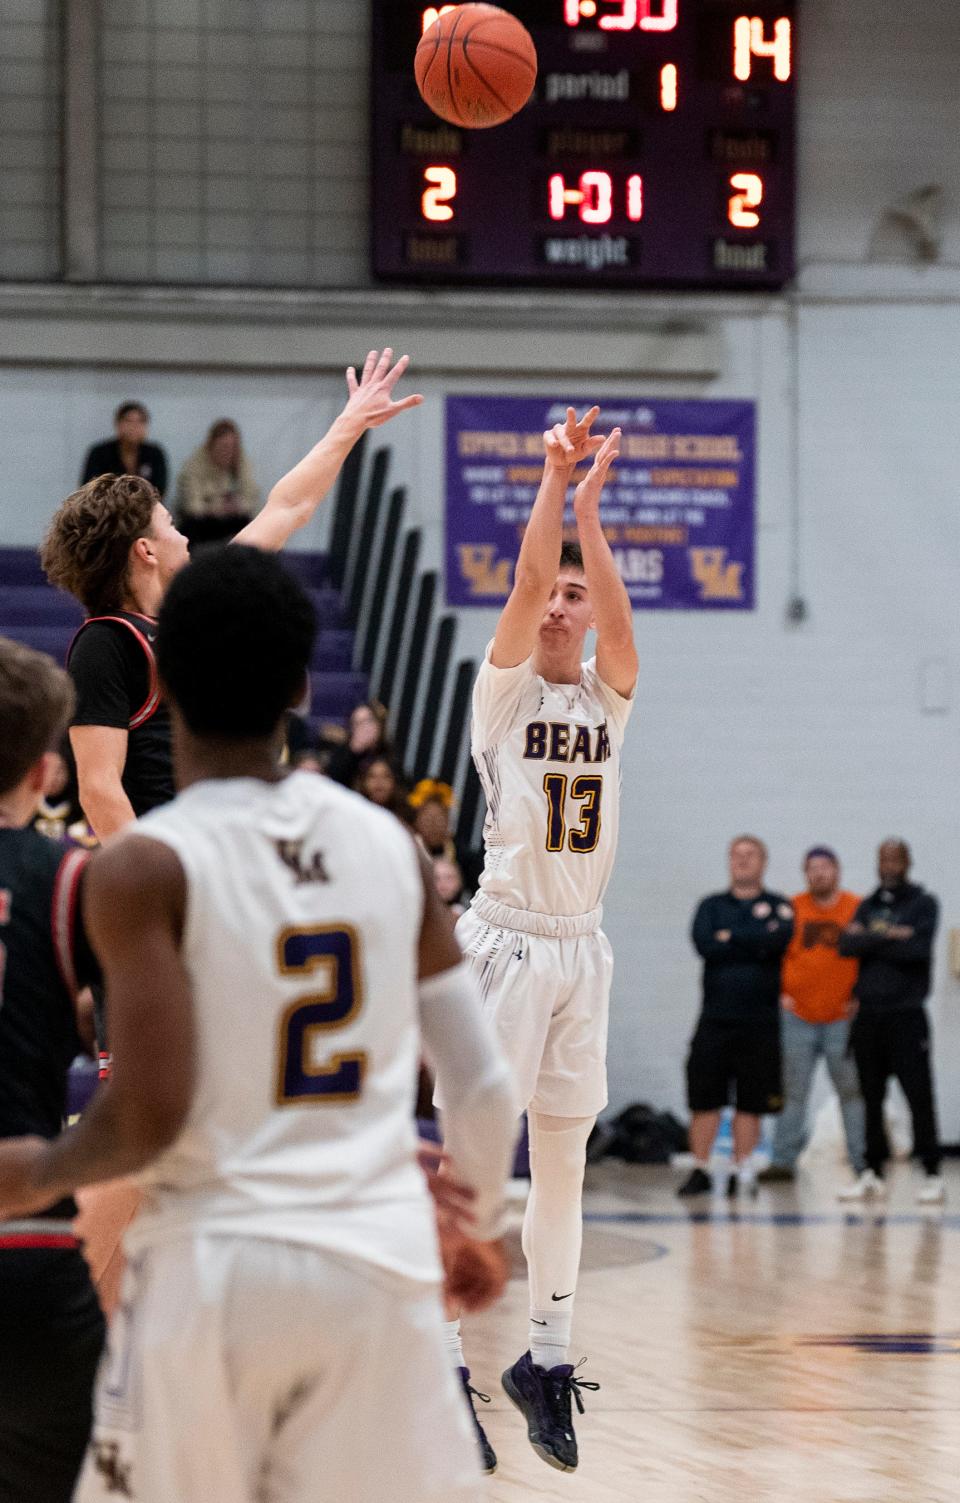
[
  {"x": 742, "y": 935},
  {"x": 892, "y": 936}
]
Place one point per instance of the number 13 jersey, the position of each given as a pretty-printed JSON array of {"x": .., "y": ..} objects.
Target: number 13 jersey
[{"x": 548, "y": 756}]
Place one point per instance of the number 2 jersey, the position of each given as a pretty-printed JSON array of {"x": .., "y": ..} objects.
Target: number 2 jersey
[
  {"x": 548, "y": 756},
  {"x": 303, "y": 913}
]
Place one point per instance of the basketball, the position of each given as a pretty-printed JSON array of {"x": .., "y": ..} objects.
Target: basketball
[{"x": 476, "y": 66}]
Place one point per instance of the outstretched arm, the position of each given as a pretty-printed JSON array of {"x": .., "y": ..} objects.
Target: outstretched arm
[
  {"x": 566, "y": 444},
  {"x": 295, "y": 498},
  {"x": 616, "y": 653}
]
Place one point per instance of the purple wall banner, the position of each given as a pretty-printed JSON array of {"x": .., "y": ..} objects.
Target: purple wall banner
[{"x": 678, "y": 508}]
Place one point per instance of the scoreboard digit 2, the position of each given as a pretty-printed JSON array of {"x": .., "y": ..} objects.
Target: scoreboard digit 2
[{"x": 657, "y": 151}]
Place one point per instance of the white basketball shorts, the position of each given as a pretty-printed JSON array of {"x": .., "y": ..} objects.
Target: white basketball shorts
[
  {"x": 548, "y": 995},
  {"x": 243, "y": 1370}
]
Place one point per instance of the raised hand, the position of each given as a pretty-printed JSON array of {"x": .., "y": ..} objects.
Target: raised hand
[
  {"x": 370, "y": 402},
  {"x": 587, "y": 493},
  {"x": 567, "y": 444}
]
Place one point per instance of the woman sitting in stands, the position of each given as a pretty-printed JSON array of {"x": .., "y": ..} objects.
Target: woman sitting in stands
[{"x": 216, "y": 491}]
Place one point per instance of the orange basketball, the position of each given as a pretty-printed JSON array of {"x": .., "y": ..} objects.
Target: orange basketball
[{"x": 476, "y": 66}]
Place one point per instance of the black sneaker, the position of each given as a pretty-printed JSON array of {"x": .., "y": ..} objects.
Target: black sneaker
[
  {"x": 776, "y": 1174},
  {"x": 543, "y": 1398},
  {"x": 488, "y": 1456},
  {"x": 697, "y": 1183}
]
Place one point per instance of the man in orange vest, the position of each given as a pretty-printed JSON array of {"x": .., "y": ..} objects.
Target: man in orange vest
[{"x": 817, "y": 1002}]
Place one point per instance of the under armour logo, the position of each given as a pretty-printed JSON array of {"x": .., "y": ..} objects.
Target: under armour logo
[
  {"x": 115, "y": 1474},
  {"x": 717, "y": 579},
  {"x": 481, "y": 573},
  {"x": 291, "y": 853}
]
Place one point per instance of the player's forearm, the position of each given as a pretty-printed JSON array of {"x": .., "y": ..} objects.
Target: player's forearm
[
  {"x": 118, "y": 1135},
  {"x": 105, "y": 806},
  {"x": 609, "y": 600},
  {"x": 543, "y": 538},
  {"x": 295, "y": 498},
  {"x": 480, "y": 1113}
]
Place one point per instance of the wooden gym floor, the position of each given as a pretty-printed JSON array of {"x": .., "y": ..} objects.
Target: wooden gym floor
[{"x": 792, "y": 1349}]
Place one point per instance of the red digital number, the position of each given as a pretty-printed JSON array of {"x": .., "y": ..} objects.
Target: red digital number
[
  {"x": 624, "y": 15},
  {"x": 750, "y": 40},
  {"x": 441, "y": 188},
  {"x": 741, "y": 211},
  {"x": 592, "y": 197}
]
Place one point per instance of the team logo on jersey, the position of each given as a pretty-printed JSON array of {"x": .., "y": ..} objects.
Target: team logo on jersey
[
  {"x": 292, "y": 856},
  {"x": 559, "y": 741},
  {"x": 114, "y": 1471}
]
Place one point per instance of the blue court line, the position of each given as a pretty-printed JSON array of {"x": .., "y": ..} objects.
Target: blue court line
[{"x": 773, "y": 1218}]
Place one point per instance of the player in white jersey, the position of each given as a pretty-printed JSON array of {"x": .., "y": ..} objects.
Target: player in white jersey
[
  {"x": 546, "y": 737},
  {"x": 275, "y": 956}
]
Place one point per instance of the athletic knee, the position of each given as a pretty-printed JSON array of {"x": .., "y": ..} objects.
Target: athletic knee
[{"x": 558, "y": 1146}]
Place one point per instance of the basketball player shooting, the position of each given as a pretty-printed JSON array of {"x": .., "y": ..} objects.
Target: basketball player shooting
[
  {"x": 546, "y": 737},
  {"x": 276, "y": 956}
]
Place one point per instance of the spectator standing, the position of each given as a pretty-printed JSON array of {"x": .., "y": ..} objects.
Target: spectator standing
[
  {"x": 217, "y": 494},
  {"x": 128, "y": 453},
  {"x": 431, "y": 802},
  {"x": 366, "y": 735},
  {"x": 741, "y": 934},
  {"x": 816, "y": 1006},
  {"x": 892, "y": 936}
]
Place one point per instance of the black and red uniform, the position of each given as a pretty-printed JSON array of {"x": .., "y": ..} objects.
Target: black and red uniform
[
  {"x": 114, "y": 671},
  {"x": 51, "y": 1326}
]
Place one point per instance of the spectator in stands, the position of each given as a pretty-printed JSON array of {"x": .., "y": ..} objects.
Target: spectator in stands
[
  {"x": 448, "y": 879},
  {"x": 742, "y": 934},
  {"x": 128, "y": 453},
  {"x": 366, "y": 735},
  {"x": 380, "y": 781},
  {"x": 216, "y": 491},
  {"x": 816, "y": 1006},
  {"x": 431, "y": 802},
  {"x": 892, "y": 936}
]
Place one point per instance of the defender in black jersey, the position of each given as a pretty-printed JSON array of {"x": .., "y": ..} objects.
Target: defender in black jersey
[
  {"x": 51, "y": 1326},
  {"x": 114, "y": 546}
]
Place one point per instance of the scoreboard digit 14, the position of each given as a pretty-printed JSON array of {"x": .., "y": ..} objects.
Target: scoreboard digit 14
[{"x": 657, "y": 151}]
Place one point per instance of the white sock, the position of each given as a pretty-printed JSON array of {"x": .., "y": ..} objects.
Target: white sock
[
  {"x": 453, "y": 1342},
  {"x": 550, "y": 1335},
  {"x": 746, "y": 1171},
  {"x": 702, "y": 1164}
]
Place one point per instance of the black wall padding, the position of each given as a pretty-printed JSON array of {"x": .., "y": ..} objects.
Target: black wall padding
[
  {"x": 458, "y": 722},
  {"x": 467, "y": 834},
  {"x": 363, "y": 551},
  {"x": 381, "y": 583},
  {"x": 430, "y": 712},
  {"x": 391, "y": 656},
  {"x": 345, "y": 508},
  {"x": 414, "y": 665}
]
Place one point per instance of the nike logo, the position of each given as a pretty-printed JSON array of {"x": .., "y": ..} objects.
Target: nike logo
[
  {"x": 559, "y": 1297},
  {"x": 535, "y": 1322}
]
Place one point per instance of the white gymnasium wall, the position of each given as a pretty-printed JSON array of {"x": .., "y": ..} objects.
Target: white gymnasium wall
[{"x": 842, "y": 728}]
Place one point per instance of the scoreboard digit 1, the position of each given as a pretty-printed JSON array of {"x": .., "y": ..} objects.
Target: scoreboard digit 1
[{"x": 657, "y": 151}]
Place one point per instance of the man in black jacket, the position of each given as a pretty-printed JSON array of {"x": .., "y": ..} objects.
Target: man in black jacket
[
  {"x": 128, "y": 453},
  {"x": 892, "y": 936},
  {"x": 742, "y": 935}
]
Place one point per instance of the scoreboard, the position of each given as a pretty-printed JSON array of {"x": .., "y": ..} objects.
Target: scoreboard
[{"x": 656, "y": 151}]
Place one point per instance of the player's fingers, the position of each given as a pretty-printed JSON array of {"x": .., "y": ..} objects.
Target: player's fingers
[
  {"x": 368, "y": 365},
  {"x": 351, "y": 379},
  {"x": 392, "y": 377},
  {"x": 588, "y": 419},
  {"x": 405, "y": 402},
  {"x": 383, "y": 364}
]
